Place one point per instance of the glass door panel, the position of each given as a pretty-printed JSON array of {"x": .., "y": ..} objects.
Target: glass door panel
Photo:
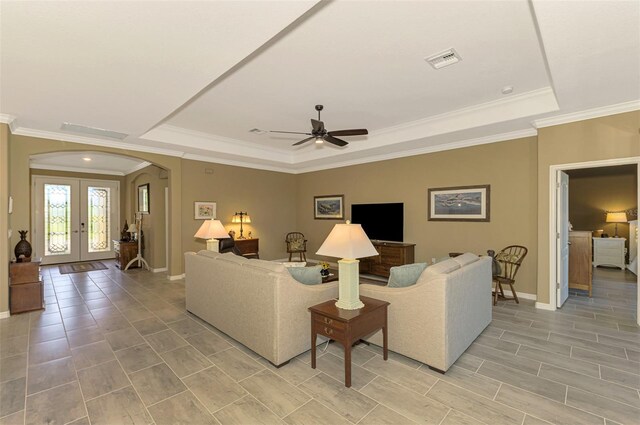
[
  {"x": 99, "y": 218},
  {"x": 57, "y": 219}
]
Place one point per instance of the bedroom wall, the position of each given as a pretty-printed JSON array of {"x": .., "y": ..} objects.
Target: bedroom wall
[
  {"x": 615, "y": 136},
  {"x": 509, "y": 167}
]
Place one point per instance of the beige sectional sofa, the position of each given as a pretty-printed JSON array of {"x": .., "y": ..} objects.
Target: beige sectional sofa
[
  {"x": 255, "y": 302},
  {"x": 435, "y": 320}
]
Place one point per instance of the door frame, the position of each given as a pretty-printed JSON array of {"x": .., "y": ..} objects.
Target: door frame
[
  {"x": 35, "y": 237},
  {"x": 553, "y": 181}
]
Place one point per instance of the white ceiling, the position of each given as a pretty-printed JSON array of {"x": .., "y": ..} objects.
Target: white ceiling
[{"x": 192, "y": 78}]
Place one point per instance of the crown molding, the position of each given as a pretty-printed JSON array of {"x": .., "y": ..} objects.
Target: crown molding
[
  {"x": 588, "y": 114},
  {"x": 239, "y": 163},
  {"x": 519, "y": 134},
  {"x": 52, "y": 135},
  {"x": 218, "y": 144},
  {"x": 39, "y": 166},
  {"x": 138, "y": 167},
  {"x": 10, "y": 120}
]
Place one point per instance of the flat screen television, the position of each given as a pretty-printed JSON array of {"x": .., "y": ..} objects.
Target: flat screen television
[{"x": 381, "y": 222}]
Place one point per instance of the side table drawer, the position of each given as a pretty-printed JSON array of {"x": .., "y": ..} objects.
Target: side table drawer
[
  {"x": 328, "y": 331},
  {"x": 330, "y": 323}
]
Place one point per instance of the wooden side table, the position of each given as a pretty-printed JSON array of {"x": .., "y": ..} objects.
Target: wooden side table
[
  {"x": 248, "y": 247},
  {"x": 26, "y": 289},
  {"x": 347, "y": 327}
]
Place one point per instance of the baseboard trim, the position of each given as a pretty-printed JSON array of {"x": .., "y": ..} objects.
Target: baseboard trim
[
  {"x": 526, "y": 296},
  {"x": 4, "y": 314},
  {"x": 545, "y": 306},
  {"x": 176, "y": 277},
  {"x": 161, "y": 269}
]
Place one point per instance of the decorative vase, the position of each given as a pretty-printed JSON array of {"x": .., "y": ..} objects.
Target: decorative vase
[{"x": 23, "y": 248}]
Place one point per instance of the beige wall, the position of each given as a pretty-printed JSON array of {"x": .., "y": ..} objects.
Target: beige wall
[
  {"x": 22, "y": 147},
  {"x": 153, "y": 224},
  {"x": 509, "y": 167},
  {"x": 591, "y": 196},
  {"x": 269, "y": 198},
  {"x": 5, "y": 247},
  {"x": 602, "y": 138}
]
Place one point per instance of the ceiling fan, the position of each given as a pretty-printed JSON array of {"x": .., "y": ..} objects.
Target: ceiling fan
[{"x": 320, "y": 134}]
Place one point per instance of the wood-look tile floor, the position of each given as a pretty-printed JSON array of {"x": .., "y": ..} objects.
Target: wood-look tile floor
[{"x": 116, "y": 347}]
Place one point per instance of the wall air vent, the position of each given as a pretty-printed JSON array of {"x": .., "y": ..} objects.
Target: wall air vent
[
  {"x": 92, "y": 131},
  {"x": 442, "y": 59}
]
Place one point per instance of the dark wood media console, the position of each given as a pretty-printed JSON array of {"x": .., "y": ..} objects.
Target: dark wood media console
[{"x": 389, "y": 254}]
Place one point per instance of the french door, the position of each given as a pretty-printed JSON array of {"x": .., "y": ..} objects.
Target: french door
[{"x": 75, "y": 219}]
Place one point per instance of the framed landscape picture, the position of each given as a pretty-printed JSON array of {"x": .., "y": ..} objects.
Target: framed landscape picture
[
  {"x": 462, "y": 203},
  {"x": 205, "y": 210},
  {"x": 328, "y": 207}
]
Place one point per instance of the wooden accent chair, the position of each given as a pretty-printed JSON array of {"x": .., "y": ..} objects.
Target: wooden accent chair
[
  {"x": 296, "y": 244},
  {"x": 510, "y": 260}
]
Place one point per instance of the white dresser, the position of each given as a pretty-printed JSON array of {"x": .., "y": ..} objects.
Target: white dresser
[{"x": 608, "y": 252}]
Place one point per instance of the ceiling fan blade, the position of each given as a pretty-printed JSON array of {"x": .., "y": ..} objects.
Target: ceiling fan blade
[
  {"x": 318, "y": 126},
  {"x": 352, "y": 132},
  {"x": 288, "y": 132},
  {"x": 304, "y": 141},
  {"x": 338, "y": 142}
]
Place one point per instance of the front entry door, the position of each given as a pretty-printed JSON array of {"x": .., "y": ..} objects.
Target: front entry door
[{"x": 75, "y": 219}]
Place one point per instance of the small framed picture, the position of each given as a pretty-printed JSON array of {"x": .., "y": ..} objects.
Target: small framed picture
[
  {"x": 205, "y": 210},
  {"x": 462, "y": 203},
  {"x": 328, "y": 207},
  {"x": 143, "y": 199}
]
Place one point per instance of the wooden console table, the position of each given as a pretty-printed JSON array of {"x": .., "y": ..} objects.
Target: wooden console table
[
  {"x": 26, "y": 290},
  {"x": 347, "y": 327},
  {"x": 389, "y": 254},
  {"x": 125, "y": 252}
]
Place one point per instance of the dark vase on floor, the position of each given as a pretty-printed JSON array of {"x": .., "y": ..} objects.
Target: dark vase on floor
[{"x": 23, "y": 248}]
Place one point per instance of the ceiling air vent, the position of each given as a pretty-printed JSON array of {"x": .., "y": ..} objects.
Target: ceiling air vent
[
  {"x": 257, "y": 131},
  {"x": 442, "y": 59},
  {"x": 93, "y": 131}
]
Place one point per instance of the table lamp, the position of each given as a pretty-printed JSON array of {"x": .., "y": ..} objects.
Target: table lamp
[
  {"x": 211, "y": 230},
  {"x": 616, "y": 217},
  {"x": 349, "y": 242},
  {"x": 133, "y": 229},
  {"x": 241, "y": 217}
]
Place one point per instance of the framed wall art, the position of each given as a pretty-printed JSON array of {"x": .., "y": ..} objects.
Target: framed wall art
[
  {"x": 205, "y": 210},
  {"x": 143, "y": 199},
  {"x": 462, "y": 203},
  {"x": 328, "y": 207}
]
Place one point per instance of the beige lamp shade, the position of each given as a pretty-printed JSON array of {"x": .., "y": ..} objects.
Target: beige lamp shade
[
  {"x": 244, "y": 218},
  {"x": 617, "y": 217},
  {"x": 211, "y": 229},
  {"x": 133, "y": 228},
  {"x": 347, "y": 241}
]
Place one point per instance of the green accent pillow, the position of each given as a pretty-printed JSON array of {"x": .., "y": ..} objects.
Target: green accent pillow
[
  {"x": 306, "y": 275},
  {"x": 407, "y": 275}
]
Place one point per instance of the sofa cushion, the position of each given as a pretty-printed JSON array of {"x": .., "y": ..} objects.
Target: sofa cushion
[
  {"x": 466, "y": 258},
  {"x": 407, "y": 275},
  {"x": 268, "y": 266},
  {"x": 307, "y": 275},
  {"x": 231, "y": 258},
  {"x": 444, "y": 267}
]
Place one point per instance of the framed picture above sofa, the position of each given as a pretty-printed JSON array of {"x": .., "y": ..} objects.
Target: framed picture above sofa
[{"x": 461, "y": 203}]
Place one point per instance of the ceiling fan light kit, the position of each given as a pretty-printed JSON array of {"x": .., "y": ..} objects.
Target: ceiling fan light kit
[{"x": 321, "y": 135}]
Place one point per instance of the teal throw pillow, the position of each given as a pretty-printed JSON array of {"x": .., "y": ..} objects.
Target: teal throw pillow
[
  {"x": 407, "y": 275},
  {"x": 306, "y": 275}
]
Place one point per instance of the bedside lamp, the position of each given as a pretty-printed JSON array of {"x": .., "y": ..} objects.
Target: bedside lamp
[
  {"x": 241, "y": 217},
  {"x": 616, "y": 217},
  {"x": 349, "y": 242},
  {"x": 212, "y": 230}
]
